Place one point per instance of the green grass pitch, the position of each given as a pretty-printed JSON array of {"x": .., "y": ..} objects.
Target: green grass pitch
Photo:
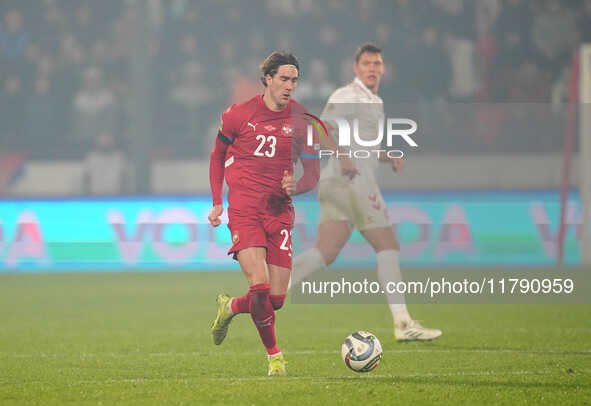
[{"x": 143, "y": 338}]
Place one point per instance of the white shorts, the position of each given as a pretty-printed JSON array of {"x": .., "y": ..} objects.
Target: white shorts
[{"x": 358, "y": 202}]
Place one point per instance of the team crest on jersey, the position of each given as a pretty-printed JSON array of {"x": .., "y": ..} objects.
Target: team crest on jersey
[
  {"x": 287, "y": 130},
  {"x": 235, "y": 238}
]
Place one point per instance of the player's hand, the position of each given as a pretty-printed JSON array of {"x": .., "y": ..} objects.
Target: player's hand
[
  {"x": 348, "y": 169},
  {"x": 287, "y": 183},
  {"x": 214, "y": 215},
  {"x": 397, "y": 164}
]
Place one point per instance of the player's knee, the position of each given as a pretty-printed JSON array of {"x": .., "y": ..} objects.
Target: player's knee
[
  {"x": 277, "y": 301},
  {"x": 330, "y": 256},
  {"x": 389, "y": 242},
  {"x": 329, "y": 250},
  {"x": 257, "y": 278}
]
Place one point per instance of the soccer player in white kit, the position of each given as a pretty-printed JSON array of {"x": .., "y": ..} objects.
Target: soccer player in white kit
[{"x": 357, "y": 202}]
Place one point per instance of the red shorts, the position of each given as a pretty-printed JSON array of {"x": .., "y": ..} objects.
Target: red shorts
[{"x": 262, "y": 230}]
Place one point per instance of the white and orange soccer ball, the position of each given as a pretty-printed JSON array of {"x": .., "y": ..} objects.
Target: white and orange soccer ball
[{"x": 362, "y": 351}]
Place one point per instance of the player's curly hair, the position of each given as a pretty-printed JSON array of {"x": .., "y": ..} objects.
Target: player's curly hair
[{"x": 271, "y": 64}]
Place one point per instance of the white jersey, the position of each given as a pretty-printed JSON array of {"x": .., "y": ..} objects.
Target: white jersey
[{"x": 355, "y": 101}]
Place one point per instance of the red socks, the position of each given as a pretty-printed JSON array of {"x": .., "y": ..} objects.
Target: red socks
[
  {"x": 261, "y": 306},
  {"x": 277, "y": 301},
  {"x": 263, "y": 315},
  {"x": 241, "y": 304}
]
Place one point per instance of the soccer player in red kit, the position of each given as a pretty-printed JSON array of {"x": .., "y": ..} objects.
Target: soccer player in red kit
[{"x": 255, "y": 150}]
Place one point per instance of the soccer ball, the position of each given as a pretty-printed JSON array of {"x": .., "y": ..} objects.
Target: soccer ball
[{"x": 362, "y": 351}]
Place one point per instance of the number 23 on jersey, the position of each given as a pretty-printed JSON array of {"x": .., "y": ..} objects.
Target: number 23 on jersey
[{"x": 266, "y": 147}]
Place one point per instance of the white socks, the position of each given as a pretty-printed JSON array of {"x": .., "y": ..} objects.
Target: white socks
[
  {"x": 306, "y": 264},
  {"x": 273, "y": 356},
  {"x": 388, "y": 269},
  {"x": 229, "y": 307}
]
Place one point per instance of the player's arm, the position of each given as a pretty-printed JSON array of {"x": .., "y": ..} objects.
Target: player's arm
[
  {"x": 347, "y": 166},
  {"x": 216, "y": 178},
  {"x": 310, "y": 159},
  {"x": 309, "y": 179},
  {"x": 307, "y": 182},
  {"x": 225, "y": 138},
  {"x": 334, "y": 108}
]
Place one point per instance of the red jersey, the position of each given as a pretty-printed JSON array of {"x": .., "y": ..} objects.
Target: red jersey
[{"x": 255, "y": 146}]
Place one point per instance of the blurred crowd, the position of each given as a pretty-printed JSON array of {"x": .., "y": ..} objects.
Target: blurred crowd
[{"x": 66, "y": 81}]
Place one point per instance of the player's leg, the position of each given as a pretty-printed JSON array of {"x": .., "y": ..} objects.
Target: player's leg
[
  {"x": 334, "y": 230},
  {"x": 254, "y": 267},
  {"x": 332, "y": 237},
  {"x": 253, "y": 262},
  {"x": 279, "y": 260},
  {"x": 387, "y": 248},
  {"x": 249, "y": 244},
  {"x": 251, "y": 258},
  {"x": 279, "y": 280}
]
